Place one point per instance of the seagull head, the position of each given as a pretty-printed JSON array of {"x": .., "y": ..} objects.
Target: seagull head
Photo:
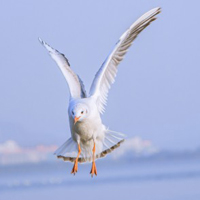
[{"x": 79, "y": 112}]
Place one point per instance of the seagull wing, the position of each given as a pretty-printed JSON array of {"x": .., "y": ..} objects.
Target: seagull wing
[
  {"x": 76, "y": 87},
  {"x": 107, "y": 72}
]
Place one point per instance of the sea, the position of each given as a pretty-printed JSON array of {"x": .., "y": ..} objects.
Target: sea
[{"x": 129, "y": 179}]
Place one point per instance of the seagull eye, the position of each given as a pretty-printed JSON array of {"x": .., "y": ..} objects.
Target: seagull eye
[{"x": 82, "y": 112}]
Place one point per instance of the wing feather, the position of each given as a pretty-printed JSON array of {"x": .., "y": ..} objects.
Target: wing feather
[
  {"x": 76, "y": 86},
  {"x": 107, "y": 72}
]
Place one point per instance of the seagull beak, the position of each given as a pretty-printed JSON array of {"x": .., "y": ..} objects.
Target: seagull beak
[{"x": 76, "y": 119}]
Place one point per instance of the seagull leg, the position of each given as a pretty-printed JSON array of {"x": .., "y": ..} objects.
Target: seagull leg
[
  {"x": 94, "y": 169},
  {"x": 75, "y": 167}
]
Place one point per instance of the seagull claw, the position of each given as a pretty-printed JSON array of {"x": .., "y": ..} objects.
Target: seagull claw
[
  {"x": 75, "y": 167},
  {"x": 93, "y": 169}
]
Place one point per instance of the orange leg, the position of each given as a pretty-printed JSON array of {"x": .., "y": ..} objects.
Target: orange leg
[
  {"x": 94, "y": 169},
  {"x": 75, "y": 167}
]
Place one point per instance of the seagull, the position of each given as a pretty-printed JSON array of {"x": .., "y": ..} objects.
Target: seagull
[{"x": 90, "y": 138}]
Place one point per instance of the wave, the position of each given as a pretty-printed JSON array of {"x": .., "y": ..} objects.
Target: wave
[{"x": 52, "y": 182}]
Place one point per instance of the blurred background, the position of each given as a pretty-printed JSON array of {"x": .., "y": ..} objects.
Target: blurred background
[{"x": 159, "y": 78}]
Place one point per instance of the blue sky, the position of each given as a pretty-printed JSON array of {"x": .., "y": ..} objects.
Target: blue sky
[{"x": 159, "y": 77}]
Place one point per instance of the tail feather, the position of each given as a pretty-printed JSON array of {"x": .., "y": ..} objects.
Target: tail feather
[
  {"x": 111, "y": 141},
  {"x": 69, "y": 150}
]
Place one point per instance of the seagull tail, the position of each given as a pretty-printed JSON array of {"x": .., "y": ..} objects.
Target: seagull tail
[
  {"x": 111, "y": 141},
  {"x": 69, "y": 150}
]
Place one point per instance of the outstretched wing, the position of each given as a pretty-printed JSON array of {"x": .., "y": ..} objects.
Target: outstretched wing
[
  {"x": 106, "y": 74},
  {"x": 76, "y": 87}
]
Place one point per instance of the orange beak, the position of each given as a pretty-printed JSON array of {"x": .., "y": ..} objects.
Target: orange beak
[{"x": 76, "y": 119}]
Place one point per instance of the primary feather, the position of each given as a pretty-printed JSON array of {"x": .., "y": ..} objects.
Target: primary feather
[
  {"x": 76, "y": 86},
  {"x": 107, "y": 73}
]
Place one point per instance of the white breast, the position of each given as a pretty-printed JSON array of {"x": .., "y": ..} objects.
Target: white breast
[{"x": 91, "y": 127}]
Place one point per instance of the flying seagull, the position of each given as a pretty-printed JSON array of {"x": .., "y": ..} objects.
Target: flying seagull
[{"x": 90, "y": 139}]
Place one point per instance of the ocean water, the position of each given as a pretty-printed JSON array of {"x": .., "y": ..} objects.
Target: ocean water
[{"x": 142, "y": 180}]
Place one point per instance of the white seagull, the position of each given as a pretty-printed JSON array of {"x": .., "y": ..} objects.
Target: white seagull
[{"x": 90, "y": 139}]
